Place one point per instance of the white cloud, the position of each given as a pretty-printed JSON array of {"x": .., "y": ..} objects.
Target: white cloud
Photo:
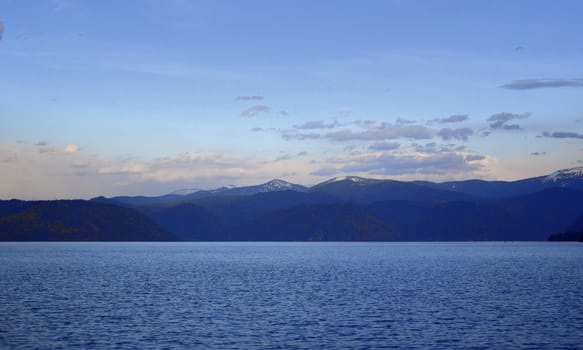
[
  {"x": 27, "y": 174},
  {"x": 444, "y": 164},
  {"x": 124, "y": 169},
  {"x": 71, "y": 149}
]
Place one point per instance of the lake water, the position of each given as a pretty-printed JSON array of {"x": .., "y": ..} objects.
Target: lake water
[{"x": 291, "y": 295}]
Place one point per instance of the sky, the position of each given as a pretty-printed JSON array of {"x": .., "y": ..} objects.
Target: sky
[{"x": 147, "y": 97}]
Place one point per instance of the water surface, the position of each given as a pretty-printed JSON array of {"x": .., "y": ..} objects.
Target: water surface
[{"x": 290, "y": 295}]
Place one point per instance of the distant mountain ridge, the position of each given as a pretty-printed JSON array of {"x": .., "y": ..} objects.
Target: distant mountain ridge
[
  {"x": 567, "y": 178},
  {"x": 528, "y": 209},
  {"x": 271, "y": 186},
  {"x": 372, "y": 190},
  {"x": 342, "y": 208},
  {"x": 185, "y": 195}
]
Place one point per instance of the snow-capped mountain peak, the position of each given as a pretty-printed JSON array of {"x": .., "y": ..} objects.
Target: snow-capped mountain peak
[
  {"x": 565, "y": 174},
  {"x": 350, "y": 179},
  {"x": 271, "y": 186},
  {"x": 278, "y": 185}
]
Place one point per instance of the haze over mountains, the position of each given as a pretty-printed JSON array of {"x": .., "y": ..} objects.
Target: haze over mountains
[{"x": 346, "y": 209}]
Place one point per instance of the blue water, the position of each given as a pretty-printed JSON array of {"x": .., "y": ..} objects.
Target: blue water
[{"x": 291, "y": 295}]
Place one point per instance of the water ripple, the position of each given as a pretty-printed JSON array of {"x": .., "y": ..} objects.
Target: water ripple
[{"x": 290, "y": 296}]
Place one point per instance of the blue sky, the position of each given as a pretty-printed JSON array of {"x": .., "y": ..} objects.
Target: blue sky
[{"x": 145, "y": 97}]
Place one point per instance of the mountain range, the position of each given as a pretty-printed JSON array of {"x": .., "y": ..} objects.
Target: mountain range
[{"x": 346, "y": 208}]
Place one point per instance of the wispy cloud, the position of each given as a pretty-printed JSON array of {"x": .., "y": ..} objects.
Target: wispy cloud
[
  {"x": 461, "y": 134},
  {"x": 255, "y": 110},
  {"x": 180, "y": 70},
  {"x": 44, "y": 148},
  {"x": 80, "y": 164},
  {"x": 8, "y": 156},
  {"x": 260, "y": 129},
  {"x": 456, "y": 118},
  {"x": 529, "y": 84},
  {"x": 282, "y": 157},
  {"x": 383, "y": 131},
  {"x": 500, "y": 120},
  {"x": 249, "y": 98},
  {"x": 317, "y": 124},
  {"x": 403, "y": 121},
  {"x": 344, "y": 112},
  {"x": 59, "y": 5},
  {"x": 292, "y": 134},
  {"x": 401, "y": 164},
  {"x": 384, "y": 146},
  {"x": 125, "y": 168},
  {"x": 474, "y": 157},
  {"x": 433, "y": 147},
  {"x": 563, "y": 135},
  {"x": 369, "y": 130}
]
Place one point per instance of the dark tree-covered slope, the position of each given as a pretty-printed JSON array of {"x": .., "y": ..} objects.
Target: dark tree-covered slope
[{"x": 75, "y": 220}]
